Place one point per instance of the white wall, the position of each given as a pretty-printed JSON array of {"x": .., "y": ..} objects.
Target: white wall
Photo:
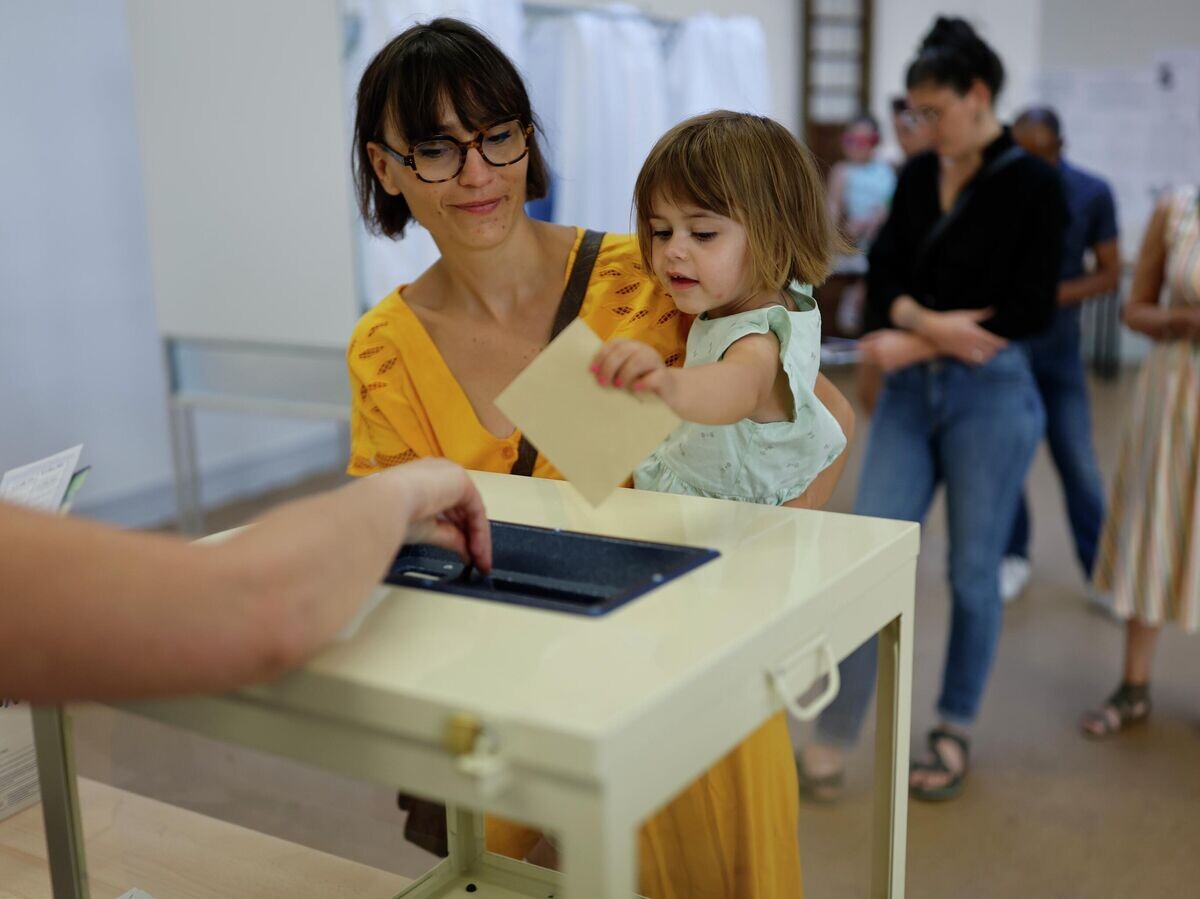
[
  {"x": 1115, "y": 32},
  {"x": 1012, "y": 27},
  {"x": 782, "y": 20},
  {"x": 79, "y": 350}
]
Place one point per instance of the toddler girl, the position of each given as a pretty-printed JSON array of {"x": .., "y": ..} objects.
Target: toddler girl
[{"x": 732, "y": 220}]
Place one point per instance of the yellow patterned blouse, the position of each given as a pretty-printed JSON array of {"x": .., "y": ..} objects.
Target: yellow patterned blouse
[
  {"x": 731, "y": 834},
  {"x": 406, "y": 404}
]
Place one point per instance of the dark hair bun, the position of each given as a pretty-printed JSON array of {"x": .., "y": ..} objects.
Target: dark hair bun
[
  {"x": 950, "y": 32},
  {"x": 952, "y": 54}
]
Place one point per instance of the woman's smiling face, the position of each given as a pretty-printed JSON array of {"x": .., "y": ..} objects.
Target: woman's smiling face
[{"x": 477, "y": 208}]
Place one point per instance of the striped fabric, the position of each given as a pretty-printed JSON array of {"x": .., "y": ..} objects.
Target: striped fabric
[{"x": 1150, "y": 549}]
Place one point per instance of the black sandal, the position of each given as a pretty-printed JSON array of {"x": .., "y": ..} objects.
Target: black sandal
[
  {"x": 1128, "y": 706},
  {"x": 954, "y": 786}
]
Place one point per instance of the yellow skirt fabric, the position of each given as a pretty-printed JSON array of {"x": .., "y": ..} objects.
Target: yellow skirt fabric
[{"x": 730, "y": 835}]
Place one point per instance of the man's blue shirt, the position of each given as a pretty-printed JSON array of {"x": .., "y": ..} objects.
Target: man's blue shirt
[{"x": 1093, "y": 216}]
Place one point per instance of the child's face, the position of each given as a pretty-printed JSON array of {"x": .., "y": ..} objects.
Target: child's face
[
  {"x": 858, "y": 142},
  {"x": 700, "y": 257}
]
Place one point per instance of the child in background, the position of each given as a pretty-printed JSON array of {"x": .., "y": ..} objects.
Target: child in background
[
  {"x": 732, "y": 220},
  {"x": 861, "y": 186},
  {"x": 860, "y": 192}
]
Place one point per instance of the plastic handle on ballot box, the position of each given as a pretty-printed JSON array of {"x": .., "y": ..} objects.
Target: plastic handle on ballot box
[{"x": 779, "y": 676}]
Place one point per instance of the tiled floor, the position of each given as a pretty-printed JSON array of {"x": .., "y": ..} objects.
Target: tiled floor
[{"x": 1045, "y": 814}]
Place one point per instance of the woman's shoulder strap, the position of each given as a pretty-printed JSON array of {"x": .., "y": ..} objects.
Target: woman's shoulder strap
[
  {"x": 568, "y": 311},
  {"x": 577, "y": 282}
]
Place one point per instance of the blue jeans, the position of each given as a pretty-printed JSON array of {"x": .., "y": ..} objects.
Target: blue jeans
[
  {"x": 975, "y": 429},
  {"x": 1057, "y": 363}
]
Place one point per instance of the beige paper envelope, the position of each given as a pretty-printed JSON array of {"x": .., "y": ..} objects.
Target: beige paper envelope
[{"x": 594, "y": 435}]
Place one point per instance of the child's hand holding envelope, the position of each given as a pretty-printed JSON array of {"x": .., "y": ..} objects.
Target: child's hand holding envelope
[{"x": 595, "y": 437}]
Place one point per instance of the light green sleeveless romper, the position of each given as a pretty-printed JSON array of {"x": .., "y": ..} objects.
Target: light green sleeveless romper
[{"x": 759, "y": 463}]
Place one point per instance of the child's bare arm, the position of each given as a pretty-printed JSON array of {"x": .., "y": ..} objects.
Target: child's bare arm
[{"x": 720, "y": 393}]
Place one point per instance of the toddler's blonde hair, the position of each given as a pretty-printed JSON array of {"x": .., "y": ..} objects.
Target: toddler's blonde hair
[{"x": 751, "y": 169}]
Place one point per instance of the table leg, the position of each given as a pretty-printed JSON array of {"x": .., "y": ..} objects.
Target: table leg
[
  {"x": 60, "y": 803},
  {"x": 892, "y": 719},
  {"x": 189, "y": 506},
  {"x": 598, "y": 854},
  {"x": 464, "y": 837}
]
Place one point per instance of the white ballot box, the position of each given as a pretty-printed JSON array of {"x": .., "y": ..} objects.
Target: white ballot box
[{"x": 585, "y": 724}]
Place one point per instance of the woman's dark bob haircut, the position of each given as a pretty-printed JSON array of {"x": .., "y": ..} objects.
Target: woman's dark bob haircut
[
  {"x": 953, "y": 55},
  {"x": 406, "y": 86}
]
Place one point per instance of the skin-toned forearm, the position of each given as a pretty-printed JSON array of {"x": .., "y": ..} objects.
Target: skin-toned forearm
[
  {"x": 822, "y": 487},
  {"x": 1142, "y": 312},
  {"x": 1105, "y": 279},
  {"x": 918, "y": 349},
  {"x": 721, "y": 393},
  {"x": 1075, "y": 291},
  {"x": 1144, "y": 319},
  {"x": 311, "y": 564},
  {"x": 109, "y": 614},
  {"x": 907, "y": 314},
  {"x": 958, "y": 332},
  {"x": 97, "y": 613},
  {"x": 1163, "y": 322}
]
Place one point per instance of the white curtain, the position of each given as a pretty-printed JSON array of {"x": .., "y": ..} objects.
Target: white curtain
[
  {"x": 606, "y": 83},
  {"x": 717, "y": 63},
  {"x": 370, "y": 24},
  {"x": 596, "y": 78}
]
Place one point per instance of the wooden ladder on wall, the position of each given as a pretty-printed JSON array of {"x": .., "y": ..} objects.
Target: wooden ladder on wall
[{"x": 837, "y": 71}]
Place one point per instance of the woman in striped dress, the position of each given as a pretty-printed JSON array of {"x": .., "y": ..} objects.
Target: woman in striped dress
[{"x": 1150, "y": 549}]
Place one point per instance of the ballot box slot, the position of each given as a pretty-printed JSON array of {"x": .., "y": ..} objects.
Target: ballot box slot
[{"x": 559, "y": 570}]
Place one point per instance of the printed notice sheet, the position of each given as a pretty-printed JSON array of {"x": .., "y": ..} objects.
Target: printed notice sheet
[
  {"x": 39, "y": 485},
  {"x": 43, "y": 484}
]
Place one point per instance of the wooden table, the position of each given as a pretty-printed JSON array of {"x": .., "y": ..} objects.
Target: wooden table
[{"x": 173, "y": 853}]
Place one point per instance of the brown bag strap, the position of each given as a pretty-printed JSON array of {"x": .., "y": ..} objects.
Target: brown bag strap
[{"x": 568, "y": 311}]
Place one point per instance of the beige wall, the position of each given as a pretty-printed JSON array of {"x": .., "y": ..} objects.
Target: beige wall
[{"x": 1115, "y": 32}]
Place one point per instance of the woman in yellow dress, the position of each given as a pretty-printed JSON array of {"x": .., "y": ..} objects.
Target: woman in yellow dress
[{"x": 444, "y": 135}]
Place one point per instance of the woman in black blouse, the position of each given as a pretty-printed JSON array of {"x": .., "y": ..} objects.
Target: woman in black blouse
[{"x": 966, "y": 263}]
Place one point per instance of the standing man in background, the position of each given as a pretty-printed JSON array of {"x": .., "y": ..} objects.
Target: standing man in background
[{"x": 1056, "y": 356}]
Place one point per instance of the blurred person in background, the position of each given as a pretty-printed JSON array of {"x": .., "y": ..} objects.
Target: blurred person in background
[
  {"x": 859, "y": 191},
  {"x": 1056, "y": 355},
  {"x": 966, "y": 264},
  {"x": 861, "y": 185},
  {"x": 915, "y": 136},
  {"x": 1149, "y": 554}
]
